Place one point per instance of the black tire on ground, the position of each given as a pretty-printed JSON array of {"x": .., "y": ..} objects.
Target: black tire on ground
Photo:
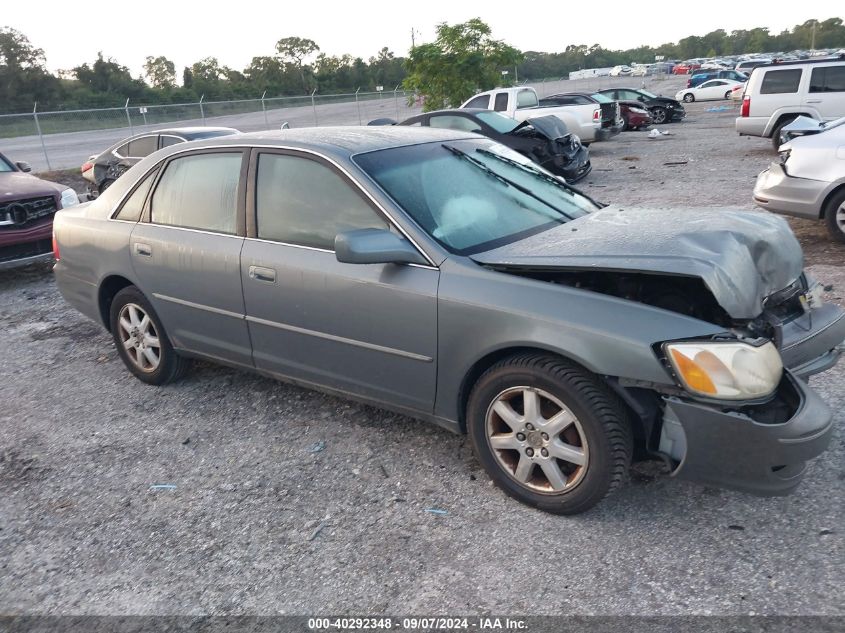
[
  {"x": 625, "y": 125},
  {"x": 171, "y": 366},
  {"x": 603, "y": 430},
  {"x": 659, "y": 115},
  {"x": 776, "y": 132},
  {"x": 105, "y": 185},
  {"x": 728, "y": 94},
  {"x": 836, "y": 207}
]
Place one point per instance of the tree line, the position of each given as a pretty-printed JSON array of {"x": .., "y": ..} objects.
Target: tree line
[{"x": 462, "y": 59}]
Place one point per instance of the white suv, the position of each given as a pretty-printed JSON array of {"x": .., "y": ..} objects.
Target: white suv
[{"x": 777, "y": 93}]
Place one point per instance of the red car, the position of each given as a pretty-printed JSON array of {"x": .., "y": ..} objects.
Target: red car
[
  {"x": 685, "y": 68},
  {"x": 634, "y": 114},
  {"x": 27, "y": 207}
]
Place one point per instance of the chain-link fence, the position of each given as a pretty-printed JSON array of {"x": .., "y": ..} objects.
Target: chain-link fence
[{"x": 65, "y": 139}]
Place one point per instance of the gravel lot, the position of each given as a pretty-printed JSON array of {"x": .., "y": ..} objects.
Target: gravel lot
[{"x": 262, "y": 521}]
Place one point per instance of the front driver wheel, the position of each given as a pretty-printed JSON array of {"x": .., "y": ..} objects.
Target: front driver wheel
[
  {"x": 834, "y": 216},
  {"x": 689, "y": 97},
  {"x": 658, "y": 116},
  {"x": 141, "y": 341},
  {"x": 549, "y": 433}
]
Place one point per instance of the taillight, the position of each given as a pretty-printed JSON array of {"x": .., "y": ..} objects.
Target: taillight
[
  {"x": 55, "y": 246},
  {"x": 596, "y": 115},
  {"x": 86, "y": 167},
  {"x": 746, "y": 106},
  {"x": 689, "y": 85}
]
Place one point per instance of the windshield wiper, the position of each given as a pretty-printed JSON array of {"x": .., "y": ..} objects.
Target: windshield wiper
[
  {"x": 506, "y": 181},
  {"x": 538, "y": 174}
]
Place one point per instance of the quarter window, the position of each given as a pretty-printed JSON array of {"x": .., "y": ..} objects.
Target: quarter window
[
  {"x": 199, "y": 192},
  {"x": 167, "y": 141},
  {"x": 300, "y": 201},
  {"x": 828, "y": 79},
  {"x": 134, "y": 204},
  {"x": 780, "y": 81}
]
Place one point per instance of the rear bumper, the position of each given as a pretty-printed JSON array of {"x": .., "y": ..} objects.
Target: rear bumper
[
  {"x": 731, "y": 449},
  {"x": 751, "y": 125},
  {"x": 779, "y": 192}
]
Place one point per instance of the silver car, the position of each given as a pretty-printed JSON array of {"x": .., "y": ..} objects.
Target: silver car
[
  {"x": 441, "y": 275},
  {"x": 808, "y": 180}
]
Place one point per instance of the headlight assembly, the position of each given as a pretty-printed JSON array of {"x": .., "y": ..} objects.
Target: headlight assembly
[{"x": 726, "y": 370}]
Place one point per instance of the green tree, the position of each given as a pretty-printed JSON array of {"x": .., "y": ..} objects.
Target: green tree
[
  {"x": 23, "y": 78},
  {"x": 462, "y": 60},
  {"x": 160, "y": 72},
  {"x": 294, "y": 50}
]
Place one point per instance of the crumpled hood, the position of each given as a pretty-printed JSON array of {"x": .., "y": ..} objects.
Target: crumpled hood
[
  {"x": 741, "y": 256},
  {"x": 16, "y": 185},
  {"x": 549, "y": 126}
]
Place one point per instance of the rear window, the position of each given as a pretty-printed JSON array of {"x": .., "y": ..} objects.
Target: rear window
[
  {"x": 828, "y": 79},
  {"x": 780, "y": 81},
  {"x": 526, "y": 99}
]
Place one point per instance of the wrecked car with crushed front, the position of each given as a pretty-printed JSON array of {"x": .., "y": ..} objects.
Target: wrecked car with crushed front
[{"x": 444, "y": 276}]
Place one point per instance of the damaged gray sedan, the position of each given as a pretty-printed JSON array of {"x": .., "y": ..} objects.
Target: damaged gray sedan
[{"x": 444, "y": 276}]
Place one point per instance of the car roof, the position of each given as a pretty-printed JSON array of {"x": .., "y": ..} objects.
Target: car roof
[
  {"x": 196, "y": 131},
  {"x": 338, "y": 142}
]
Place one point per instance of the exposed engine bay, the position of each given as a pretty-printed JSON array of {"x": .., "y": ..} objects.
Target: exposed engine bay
[{"x": 684, "y": 295}]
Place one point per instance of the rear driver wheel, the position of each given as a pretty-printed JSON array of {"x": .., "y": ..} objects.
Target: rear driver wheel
[{"x": 141, "y": 341}]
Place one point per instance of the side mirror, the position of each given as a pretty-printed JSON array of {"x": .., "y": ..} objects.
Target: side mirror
[
  {"x": 375, "y": 246},
  {"x": 24, "y": 166}
]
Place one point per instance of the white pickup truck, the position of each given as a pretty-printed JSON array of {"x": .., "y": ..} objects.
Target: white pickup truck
[{"x": 522, "y": 104}]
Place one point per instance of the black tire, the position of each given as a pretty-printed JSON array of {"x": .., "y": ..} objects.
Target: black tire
[
  {"x": 603, "y": 428},
  {"x": 689, "y": 97},
  {"x": 776, "y": 132},
  {"x": 832, "y": 208},
  {"x": 625, "y": 125},
  {"x": 170, "y": 365},
  {"x": 659, "y": 116},
  {"x": 105, "y": 185},
  {"x": 728, "y": 94}
]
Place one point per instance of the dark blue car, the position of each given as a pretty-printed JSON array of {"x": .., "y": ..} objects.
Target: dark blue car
[{"x": 700, "y": 78}]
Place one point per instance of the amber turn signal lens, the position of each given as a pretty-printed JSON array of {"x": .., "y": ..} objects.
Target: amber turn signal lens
[{"x": 694, "y": 376}]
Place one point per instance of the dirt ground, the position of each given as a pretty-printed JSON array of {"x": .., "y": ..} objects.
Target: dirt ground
[{"x": 229, "y": 493}]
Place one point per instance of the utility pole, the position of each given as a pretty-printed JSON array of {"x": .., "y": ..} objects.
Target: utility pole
[{"x": 813, "y": 44}]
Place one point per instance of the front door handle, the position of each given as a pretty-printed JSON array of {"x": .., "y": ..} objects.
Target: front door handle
[
  {"x": 143, "y": 249},
  {"x": 259, "y": 273},
  {"x": 814, "y": 100}
]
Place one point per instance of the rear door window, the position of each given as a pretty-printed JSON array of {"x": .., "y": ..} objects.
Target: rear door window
[
  {"x": 140, "y": 147},
  {"x": 167, "y": 140},
  {"x": 781, "y": 81},
  {"x": 828, "y": 79},
  {"x": 199, "y": 192}
]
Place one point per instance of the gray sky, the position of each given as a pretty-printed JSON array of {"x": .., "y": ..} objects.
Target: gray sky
[{"x": 234, "y": 31}]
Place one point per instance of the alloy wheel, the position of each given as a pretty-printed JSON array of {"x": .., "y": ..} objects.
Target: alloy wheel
[
  {"x": 537, "y": 440},
  {"x": 840, "y": 217},
  {"x": 139, "y": 337}
]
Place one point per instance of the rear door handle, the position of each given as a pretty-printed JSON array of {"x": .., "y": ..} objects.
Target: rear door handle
[
  {"x": 259, "y": 273},
  {"x": 143, "y": 249},
  {"x": 814, "y": 100}
]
